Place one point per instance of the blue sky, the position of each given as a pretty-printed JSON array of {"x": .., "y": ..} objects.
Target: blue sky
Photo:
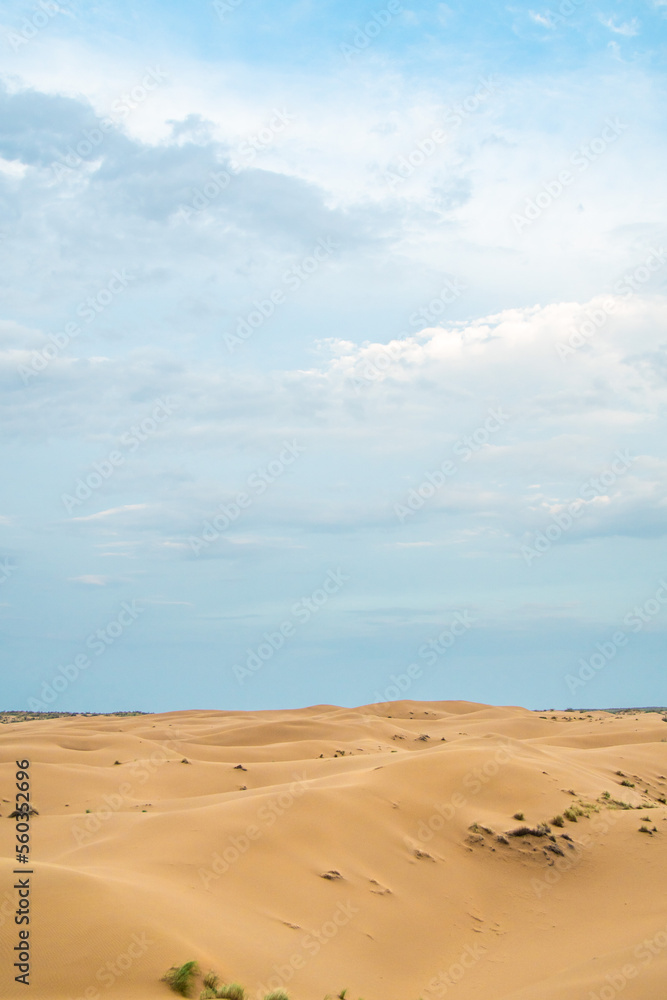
[{"x": 333, "y": 354}]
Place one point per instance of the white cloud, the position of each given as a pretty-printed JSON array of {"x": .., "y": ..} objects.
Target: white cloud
[
  {"x": 627, "y": 28},
  {"x": 91, "y": 580},
  {"x": 542, "y": 19},
  {"x": 112, "y": 512}
]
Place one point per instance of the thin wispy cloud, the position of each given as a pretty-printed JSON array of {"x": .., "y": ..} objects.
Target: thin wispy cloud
[{"x": 627, "y": 28}]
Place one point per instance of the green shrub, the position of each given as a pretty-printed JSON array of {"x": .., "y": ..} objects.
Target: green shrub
[
  {"x": 181, "y": 978},
  {"x": 571, "y": 815},
  {"x": 211, "y": 981},
  {"x": 519, "y": 816},
  {"x": 628, "y": 784},
  {"x": 558, "y": 821},
  {"x": 276, "y": 995},
  {"x": 232, "y": 991}
]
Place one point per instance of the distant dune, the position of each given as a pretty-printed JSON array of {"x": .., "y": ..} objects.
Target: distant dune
[{"x": 365, "y": 849}]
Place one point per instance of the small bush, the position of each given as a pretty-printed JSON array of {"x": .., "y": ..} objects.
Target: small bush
[
  {"x": 644, "y": 829},
  {"x": 628, "y": 784},
  {"x": 571, "y": 815},
  {"x": 232, "y": 991},
  {"x": 181, "y": 978},
  {"x": 558, "y": 821},
  {"x": 23, "y": 813},
  {"x": 276, "y": 995},
  {"x": 211, "y": 981},
  {"x": 519, "y": 816}
]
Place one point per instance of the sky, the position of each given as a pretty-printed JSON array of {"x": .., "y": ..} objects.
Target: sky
[{"x": 333, "y": 354}]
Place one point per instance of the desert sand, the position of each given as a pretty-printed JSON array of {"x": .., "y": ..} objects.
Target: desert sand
[{"x": 353, "y": 848}]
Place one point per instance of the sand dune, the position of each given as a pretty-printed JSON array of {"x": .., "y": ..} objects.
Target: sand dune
[{"x": 177, "y": 853}]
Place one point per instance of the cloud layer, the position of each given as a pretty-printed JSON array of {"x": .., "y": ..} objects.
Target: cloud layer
[{"x": 263, "y": 319}]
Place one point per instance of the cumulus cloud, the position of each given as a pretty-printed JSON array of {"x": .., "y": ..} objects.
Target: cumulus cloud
[{"x": 568, "y": 401}]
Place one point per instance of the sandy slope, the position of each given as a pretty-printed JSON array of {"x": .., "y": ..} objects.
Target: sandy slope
[{"x": 204, "y": 860}]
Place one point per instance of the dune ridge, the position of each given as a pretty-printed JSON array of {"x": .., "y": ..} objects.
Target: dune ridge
[{"x": 372, "y": 849}]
